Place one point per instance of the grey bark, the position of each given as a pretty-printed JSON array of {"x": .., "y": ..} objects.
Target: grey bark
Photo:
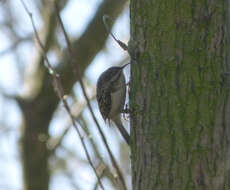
[{"x": 180, "y": 126}]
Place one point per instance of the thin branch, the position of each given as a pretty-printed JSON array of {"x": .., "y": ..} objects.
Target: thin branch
[
  {"x": 76, "y": 111},
  {"x": 59, "y": 91},
  {"x": 120, "y": 43},
  {"x": 58, "y": 141},
  {"x": 76, "y": 71}
]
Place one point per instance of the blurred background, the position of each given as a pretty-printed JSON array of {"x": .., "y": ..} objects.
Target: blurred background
[{"x": 38, "y": 144}]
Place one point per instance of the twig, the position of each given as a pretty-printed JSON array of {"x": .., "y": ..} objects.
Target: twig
[
  {"x": 59, "y": 90},
  {"x": 120, "y": 43},
  {"x": 76, "y": 111},
  {"x": 76, "y": 71},
  {"x": 58, "y": 141}
]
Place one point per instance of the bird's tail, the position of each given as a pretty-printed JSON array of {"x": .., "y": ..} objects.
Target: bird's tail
[{"x": 122, "y": 129}]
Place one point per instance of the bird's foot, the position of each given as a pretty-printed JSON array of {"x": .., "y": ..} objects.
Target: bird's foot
[{"x": 125, "y": 111}]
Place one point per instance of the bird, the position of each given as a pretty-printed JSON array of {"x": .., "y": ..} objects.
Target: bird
[{"x": 111, "y": 94}]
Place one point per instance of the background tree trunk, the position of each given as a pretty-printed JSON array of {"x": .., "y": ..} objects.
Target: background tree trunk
[{"x": 180, "y": 95}]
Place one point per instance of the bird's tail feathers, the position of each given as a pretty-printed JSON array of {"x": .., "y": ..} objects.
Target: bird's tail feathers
[{"x": 122, "y": 129}]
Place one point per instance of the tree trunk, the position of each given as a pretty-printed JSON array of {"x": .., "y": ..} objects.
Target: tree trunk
[{"x": 180, "y": 102}]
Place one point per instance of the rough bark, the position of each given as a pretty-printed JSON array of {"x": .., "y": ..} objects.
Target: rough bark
[
  {"x": 38, "y": 110},
  {"x": 180, "y": 103}
]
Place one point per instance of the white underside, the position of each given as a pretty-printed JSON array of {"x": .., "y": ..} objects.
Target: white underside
[{"x": 118, "y": 99}]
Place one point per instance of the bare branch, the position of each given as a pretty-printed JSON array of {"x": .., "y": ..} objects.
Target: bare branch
[
  {"x": 120, "y": 43},
  {"x": 76, "y": 71},
  {"x": 60, "y": 92},
  {"x": 76, "y": 111}
]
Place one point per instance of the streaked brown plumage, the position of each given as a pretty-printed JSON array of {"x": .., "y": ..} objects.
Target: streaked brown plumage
[{"x": 111, "y": 93}]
